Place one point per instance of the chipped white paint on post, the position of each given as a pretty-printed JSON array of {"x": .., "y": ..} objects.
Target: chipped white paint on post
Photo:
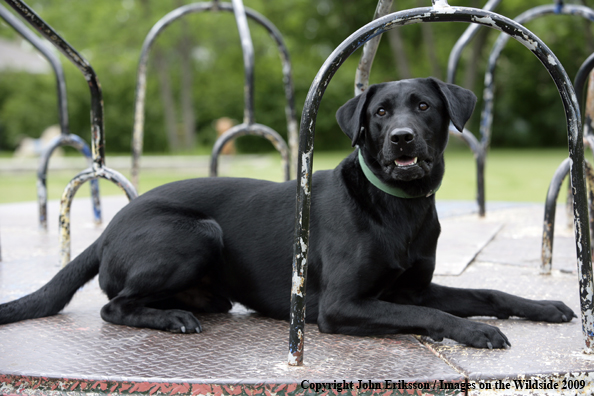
[
  {"x": 306, "y": 169},
  {"x": 527, "y": 42},
  {"x": 488, "y": 21},
  {"x": 442, "y": 6},
  {"x": 552, "y": 60}
]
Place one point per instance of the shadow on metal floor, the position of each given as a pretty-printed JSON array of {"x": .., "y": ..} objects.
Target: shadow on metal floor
[{"x": 76, "y": 352}]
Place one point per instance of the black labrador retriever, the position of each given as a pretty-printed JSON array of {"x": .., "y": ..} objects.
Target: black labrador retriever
[{"x": 199, "y": 245}]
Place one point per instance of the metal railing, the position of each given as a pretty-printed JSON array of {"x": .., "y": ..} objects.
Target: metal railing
[
  {"x": 97, "y": 168},
  {"x": 585, "y": 70},
  {"x": 65, "y": 138},
  {"x": 248, "y": 127},
  {"x": 489, "y": 89}
]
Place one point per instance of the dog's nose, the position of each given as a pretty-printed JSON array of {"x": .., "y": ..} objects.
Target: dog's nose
[{"x": 402, "y": 136}]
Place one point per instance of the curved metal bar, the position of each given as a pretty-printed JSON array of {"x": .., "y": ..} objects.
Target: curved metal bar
[
  {"x": 488, "y": 92},
  {"x": 549, "y": 217},
  {"x": 562, "y": 171},
  {"x": 98, "y": 168},
  {"x": 548, "y": 233},
  {"x": 579, "y": 84},
  {"x": 251, "y": 129},
  {"x": 247, "y": 48},
  {"x": 63, "y": 140},
  {"x": 369, "y": 49},
  {"x": 40, "y": 45},
  {"x": 68, "y": 195},
  {"x": 36, "y": 42},
  {"x": 581, "y": 77},
  {"x": 440, "y": 12},
  {"x": 463, "y": 41},
  {"x": 138, "y": 132},
  {"x": 97, "y": 127}
]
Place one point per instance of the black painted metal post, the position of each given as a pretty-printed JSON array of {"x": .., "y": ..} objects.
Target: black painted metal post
[
  {"x": 65, "y": 138},
  {"x": 551, "y": 209},
  {"x": 585, "y": 70},
  {"x": 98, "y": 168},
  {"x": 440, "y": 12}
]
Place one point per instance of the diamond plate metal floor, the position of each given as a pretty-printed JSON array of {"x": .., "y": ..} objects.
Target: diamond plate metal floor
[{"x": 243, "y": 353}]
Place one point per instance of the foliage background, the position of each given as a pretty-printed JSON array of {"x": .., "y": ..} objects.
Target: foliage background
[{"x": 528, "y": 110}]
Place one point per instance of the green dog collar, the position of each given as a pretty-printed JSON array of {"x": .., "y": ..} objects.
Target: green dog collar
[{"x": 394, "y": 191}]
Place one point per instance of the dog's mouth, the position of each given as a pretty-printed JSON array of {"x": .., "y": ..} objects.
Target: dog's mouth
[
  {"x": 408, "y": 168},
  {"x": 404, "y": 162}
]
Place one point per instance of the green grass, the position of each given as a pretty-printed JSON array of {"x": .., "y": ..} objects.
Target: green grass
[{"x": 512, "y": 175}]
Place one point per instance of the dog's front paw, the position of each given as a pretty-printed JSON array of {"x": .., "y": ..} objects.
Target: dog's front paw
[
  {"x": 178, "y": 321},
  {"x": 480, "y": 335},
  {"x": 549, "y": 311}
]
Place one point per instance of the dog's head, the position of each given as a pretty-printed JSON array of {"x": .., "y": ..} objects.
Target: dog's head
[{"x": 402, "y": 127}]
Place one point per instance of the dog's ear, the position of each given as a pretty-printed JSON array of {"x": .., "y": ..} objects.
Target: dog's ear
[
  {"x": 351, "y": 115},
  {"x": 459, "y": 102}
]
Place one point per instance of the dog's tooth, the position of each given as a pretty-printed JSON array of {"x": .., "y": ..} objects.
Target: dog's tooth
[{"x": 183, "y": 329}]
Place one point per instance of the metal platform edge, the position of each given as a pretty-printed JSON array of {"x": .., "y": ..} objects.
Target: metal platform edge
[{"x": 28, "y": 385}]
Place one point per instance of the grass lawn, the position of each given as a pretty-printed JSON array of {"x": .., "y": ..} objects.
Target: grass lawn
[{"x": 512, "y": 175}]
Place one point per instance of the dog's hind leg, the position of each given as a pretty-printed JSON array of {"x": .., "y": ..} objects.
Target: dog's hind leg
[
  {"x": 130, "y": 312},
  {"x": 156, "y": 269}
]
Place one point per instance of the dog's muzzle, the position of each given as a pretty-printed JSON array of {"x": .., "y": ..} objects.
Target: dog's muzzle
[{"x": 403, "y": 144}]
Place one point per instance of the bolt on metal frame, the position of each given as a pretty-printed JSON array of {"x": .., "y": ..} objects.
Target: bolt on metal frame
[
  {"x": 65, "y": 138},
  {"x": 585, "y": 70},
  {"x": 98, "y": 168},
  {"x": 248, "y": 127},
  {"x": 559, "y": 8},
  {"x": 441, "y": 11}
]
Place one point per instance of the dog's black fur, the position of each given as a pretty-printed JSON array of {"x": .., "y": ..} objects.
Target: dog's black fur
[{"x": 199, "y": 245}]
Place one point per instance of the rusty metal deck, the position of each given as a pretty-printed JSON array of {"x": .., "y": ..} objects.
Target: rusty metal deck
[{"x": 244, "y": 353}]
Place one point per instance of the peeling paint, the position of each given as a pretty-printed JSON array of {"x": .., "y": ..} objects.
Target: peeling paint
[
  {"x": 441, "y": 6},
  {"x": 297, "y": 285},
  {"x": 487, "y": 20},
  {"x": 551, "y": 60},
  {"x": 303, "y": 245},
  {"x": 527, "y": 42}
]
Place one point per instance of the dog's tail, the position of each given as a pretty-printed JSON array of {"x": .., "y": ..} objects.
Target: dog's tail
[{"x": 57, "y": 293}]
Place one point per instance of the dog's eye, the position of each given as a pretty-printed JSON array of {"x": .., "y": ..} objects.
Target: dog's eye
[
  {"x": 423, "y": 106},
  {"x": 381, "y": 112}
]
